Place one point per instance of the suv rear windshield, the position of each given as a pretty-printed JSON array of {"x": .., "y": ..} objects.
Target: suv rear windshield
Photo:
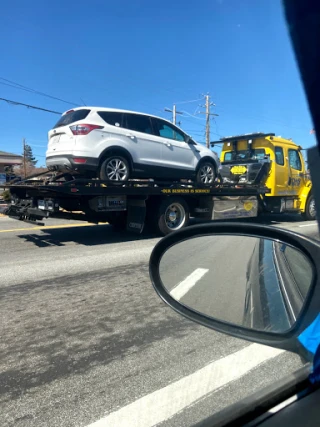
[
  {"x": 71, "y": 117},
  {"x": 254, "y": 154}
]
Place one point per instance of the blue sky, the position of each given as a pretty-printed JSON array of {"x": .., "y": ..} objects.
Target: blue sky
[{"x": 145, "y": 56}]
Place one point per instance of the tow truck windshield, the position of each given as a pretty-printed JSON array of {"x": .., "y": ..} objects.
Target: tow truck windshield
[{"x": 254, "y": 154}]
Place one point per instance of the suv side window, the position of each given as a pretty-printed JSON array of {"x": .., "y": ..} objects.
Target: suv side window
[
  {"x": 294, "y": 159},
  {"x": 279, "y": 156},
  {"x": 165, "y": 130},
  {"x": 138, "y": 123},
  {"x": 111, "y": 117}
]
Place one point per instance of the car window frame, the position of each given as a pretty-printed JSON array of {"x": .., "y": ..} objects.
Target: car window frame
[
  {"x": 125, "y": 123},
  {"x": 232, "y": 152},
  {"x": 112, "y": 112},
  {"x": 154, "y": 121},
  {"x": 298, "y": 154},
  {"x": 275, "y": 155},
  {"x": 71, "y": 113}
]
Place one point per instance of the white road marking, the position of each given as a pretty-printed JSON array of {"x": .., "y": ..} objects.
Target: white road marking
[
  {"x": 183, "y": 287},
  {"x": 283, "y": 404},
  {"x": 162, "y": 404},
  {"x": 308, "y": 225}
]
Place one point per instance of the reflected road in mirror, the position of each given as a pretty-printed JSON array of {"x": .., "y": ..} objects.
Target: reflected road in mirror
[{"x": 248, "y": 281}]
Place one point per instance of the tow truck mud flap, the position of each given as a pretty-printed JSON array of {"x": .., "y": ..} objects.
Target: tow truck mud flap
[
  {"x": 235, "y": 207},
  {"x": 136, "y": 215}
]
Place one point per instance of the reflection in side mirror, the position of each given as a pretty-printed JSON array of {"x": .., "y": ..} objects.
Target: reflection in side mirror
[{"x": 253, "y": 282}]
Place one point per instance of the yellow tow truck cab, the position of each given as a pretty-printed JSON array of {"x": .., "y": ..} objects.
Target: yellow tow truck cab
[{"x": 271, "y": 161}]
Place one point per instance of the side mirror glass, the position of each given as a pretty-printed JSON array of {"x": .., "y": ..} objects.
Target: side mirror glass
[
  {"x": 250, "y": 281},
  {"x": 253, "y": 282}
]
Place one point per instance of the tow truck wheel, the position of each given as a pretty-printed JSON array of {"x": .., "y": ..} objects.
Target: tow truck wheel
[
  {"x": 206, "y": 173},
  {"x": 173, "y": 214},
  {"x": 310, "y": 212}
]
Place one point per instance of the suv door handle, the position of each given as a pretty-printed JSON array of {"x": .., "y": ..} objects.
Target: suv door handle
[
  {"x": 130, "y": 136},
  {"x": 168, "y": 144}
]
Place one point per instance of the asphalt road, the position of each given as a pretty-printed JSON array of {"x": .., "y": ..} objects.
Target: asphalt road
[
  {"x": 85, "y": 338},
  {"x": 213, "y": 280}
]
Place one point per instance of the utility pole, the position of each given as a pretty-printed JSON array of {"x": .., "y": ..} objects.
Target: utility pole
[
  {"x": 208, "y": 104},
  {"x": 174, "y": 113},
  {"x": 208, "y": 114},
  {"x": 24, "y": 158}
]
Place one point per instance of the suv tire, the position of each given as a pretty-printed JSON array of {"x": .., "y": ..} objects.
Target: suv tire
[
  {"x": 206, "y": 172},
  {"x": 115, "y": 169}
]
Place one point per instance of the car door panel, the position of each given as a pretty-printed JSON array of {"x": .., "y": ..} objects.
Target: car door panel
[
  {"x": 296, "y": 178},
  {"x": 144, "y": 143},
  {"x": 281, "y": 176},
  {"x": 178, "y": 154},
  {"x": 175, "y": 152}
]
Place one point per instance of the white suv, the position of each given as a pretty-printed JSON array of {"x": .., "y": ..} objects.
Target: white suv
[{"x": 116, "y": 145}]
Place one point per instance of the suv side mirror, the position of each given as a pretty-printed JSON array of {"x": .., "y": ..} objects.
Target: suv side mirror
[{"x": 189, "y": 140}]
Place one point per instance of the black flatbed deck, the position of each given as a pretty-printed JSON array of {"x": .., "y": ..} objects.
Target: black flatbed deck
[
  {"x": 96, "y": 200},
  {"x": 93, "y": 187}
]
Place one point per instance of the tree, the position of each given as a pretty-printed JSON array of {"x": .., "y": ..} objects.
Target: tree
[
  {"x": 28, "y": 154},
  {"x": 9, "y": 170}
]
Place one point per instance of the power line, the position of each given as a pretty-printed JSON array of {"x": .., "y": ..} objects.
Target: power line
[
  {"x": 37, "y": 141},
  {"x": 28, "y": 89},
  {"x": 29, "y": 106},
  {"x": 35, "y": 145},
  {"x": 188, "y": 102},
  {"x": 262, "y": 118},
  {"x": 193, "y": 116},
  {"x": 174, "y": 113}
]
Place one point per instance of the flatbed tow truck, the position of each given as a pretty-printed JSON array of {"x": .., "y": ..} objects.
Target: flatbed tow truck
[{"x": 161, "y": 207}]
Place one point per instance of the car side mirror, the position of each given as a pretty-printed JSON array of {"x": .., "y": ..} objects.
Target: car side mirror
[
  {"x": 189, "y": 140},
  {"x": 250, "y": 281}
]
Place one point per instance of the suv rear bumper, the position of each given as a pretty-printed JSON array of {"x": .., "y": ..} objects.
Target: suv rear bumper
[{"x": 66, "y": 163}]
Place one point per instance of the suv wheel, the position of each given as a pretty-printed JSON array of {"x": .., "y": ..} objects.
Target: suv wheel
[
  {"x": 206, "y": 173},
  {"x": 114, "y": 168}
]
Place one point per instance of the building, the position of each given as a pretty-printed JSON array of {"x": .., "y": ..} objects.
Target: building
[{"x": 9, "y": 159}]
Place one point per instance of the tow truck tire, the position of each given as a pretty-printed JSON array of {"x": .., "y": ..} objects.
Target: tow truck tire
[
  {"x": 310, "y": 212},
  {"x": 173, "y": 214}
]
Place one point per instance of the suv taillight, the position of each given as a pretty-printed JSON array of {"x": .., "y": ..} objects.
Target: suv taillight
[{"x": 83, "y": 129}]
